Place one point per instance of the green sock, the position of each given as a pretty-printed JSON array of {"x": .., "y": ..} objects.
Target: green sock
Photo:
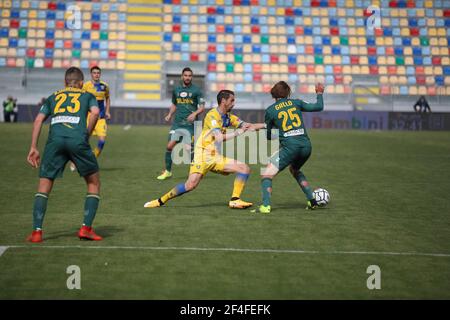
[
  {"x": 39, "y": 208},
  {"x": 266, "y": 185},
  {"x": 90, "y": 208},
  {"x": 168, "y": 159},
  {"x": 303, "y": 183}
]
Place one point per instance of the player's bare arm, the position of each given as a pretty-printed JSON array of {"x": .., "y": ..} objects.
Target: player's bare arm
[
  {"x": 220, "y": 137},
  {"x": 34, "y": 157},
  {"x": 172, "y": 110},
  {"x": 95, "y": 112},
  {"x": 193, "y": 115},
  {"x": 107, "y": 108}
]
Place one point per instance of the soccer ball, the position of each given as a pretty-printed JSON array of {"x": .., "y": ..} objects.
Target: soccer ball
[{"x": 322, "y": 196}]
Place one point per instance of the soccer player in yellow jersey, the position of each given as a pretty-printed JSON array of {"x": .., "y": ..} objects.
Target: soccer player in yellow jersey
[
  {"x": 100, "y": 90},
  {"x": 207, "y": 156}
]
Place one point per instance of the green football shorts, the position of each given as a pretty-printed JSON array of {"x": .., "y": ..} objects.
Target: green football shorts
[
  {"x": 59, "y": 150},
  {"x": 295, "y": 155}
]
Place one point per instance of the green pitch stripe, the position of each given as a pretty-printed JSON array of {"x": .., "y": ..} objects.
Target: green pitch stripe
[{"x": 288, "y": 251}]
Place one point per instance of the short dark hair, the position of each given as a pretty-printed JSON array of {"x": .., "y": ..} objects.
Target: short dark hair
[
  {"x": 187, "y": 69},
  {"x": 280, "y": 90},
  {"x": 73, "y": 75},
  {"x": 224, "y": 94},
  {"x": 96, "y": 68}
]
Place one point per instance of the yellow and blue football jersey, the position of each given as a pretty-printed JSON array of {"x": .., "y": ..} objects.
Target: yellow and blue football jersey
[{"x": 101, "y": 92}]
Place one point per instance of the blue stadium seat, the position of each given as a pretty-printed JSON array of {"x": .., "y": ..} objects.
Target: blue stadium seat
[
  {"x": 318, "y": 50},
  {"x": 418, "y": 61},
  {"x": 398, "y": 51},
  {"x": 86, "y": 35},
  {"x": 211, "y": 57},
  {"x": 228, "y": 28},
  {"x": 15, "y": 14},
  {"x": 61, "y": 6},
  {"x": 185, "y": 47},
  {"x": 21, "y": 52},
  {"x": 439, "y": 80},
  {"x": 292, "y": 59},
  {"x": 176, "y": 47},
  {"x": 373, "y": 60},
  {"x": 95, "y": 45},
  {"x": 2, "y": 62},
  {"x": 406, "y": 42},
  {"x": 371, "y": 41},
  {"x": 50, "y": 34},
  {"x": 48, "y": 53},
  {"x": 256, "y": 48},
  {"x": 13, "y": 43},
  {"x": 104, "y": 45},
  {"x": 238, "y": 49},
  {"x": 59, "y": 44},
  {"x": 76, "y": 44},
  {"x": 417, "y": 51},
  {"x": 446, "y": 70},
  {"x": 213, "y": 39},
  {"x": 336, "y": 51},
  {"x": 167, "y": 37},
  {"x": 4, "y": 33},
  {"x": 51, "y": 15},
  {"x": 247, "y": 39},
  {"x": 265, "y": 58}
]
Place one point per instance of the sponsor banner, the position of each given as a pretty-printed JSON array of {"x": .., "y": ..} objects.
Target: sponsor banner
[
  {"x": 346, "y": 120},
  {"x": 356, "y": 120}
]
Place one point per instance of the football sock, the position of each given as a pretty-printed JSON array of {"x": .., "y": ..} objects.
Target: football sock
[
  {"x": 168, "y": 159},
  {"x": 303, "y": 183},
  {"x": 90, "y": 208},
  {"x": 98, "y": 149},
  {"x": 175, "y": 192},
  {"x": 39, "y": 208},
  {"x": 266, "y": 185},
  {"x": 239, "y": 184}
]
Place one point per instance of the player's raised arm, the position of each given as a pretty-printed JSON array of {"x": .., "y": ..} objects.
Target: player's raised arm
[{"x": 314, "y": 107}]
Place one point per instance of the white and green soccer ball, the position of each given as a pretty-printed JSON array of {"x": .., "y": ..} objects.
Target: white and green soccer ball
[{"x": 322, "y": 196}]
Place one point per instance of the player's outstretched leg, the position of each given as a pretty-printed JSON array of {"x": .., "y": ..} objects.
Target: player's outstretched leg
[
  {"x": 90, "y": 208},
  {"x": 39, "y": 208},
  {"x": 242, "y": 173},
  {"x": 180, "y": 189},
  {"x": 304, "y": 185}
]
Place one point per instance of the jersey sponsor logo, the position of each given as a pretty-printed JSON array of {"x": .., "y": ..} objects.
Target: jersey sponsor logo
[
  {"x": 185, "y": 101},
  {"x": 183, "y": 94},
  {"x": 296, "y": 132},
  {"x": 65, "y": 119}
]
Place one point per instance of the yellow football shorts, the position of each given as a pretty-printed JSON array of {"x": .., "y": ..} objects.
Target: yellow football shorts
[
  {"x": 100, "y": 128},
  {"x": 208, "y": 163}
]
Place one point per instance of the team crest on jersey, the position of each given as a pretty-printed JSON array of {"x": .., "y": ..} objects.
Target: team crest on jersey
[
  {"x": 183, "y": 94},
  {"x": 190, "y": 94}
]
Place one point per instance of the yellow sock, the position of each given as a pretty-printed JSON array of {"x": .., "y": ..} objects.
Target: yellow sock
[
  {"x": 177, "y": 191},
  {"x": 239, "y": 184}
]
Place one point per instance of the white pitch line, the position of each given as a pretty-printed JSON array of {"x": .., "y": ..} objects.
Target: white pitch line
[
  {"x": 3, "y": 249},
  {"x": 293, "y": 251}
]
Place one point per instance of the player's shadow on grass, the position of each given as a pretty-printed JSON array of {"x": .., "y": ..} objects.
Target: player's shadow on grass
[
  {"x": 103, "y": 231},
  {"x": 301, "y": 208},
  {"x": 111, "y": 169},
  {"x": 203, "y": 205}
]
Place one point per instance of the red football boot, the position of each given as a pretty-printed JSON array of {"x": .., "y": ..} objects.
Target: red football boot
[
  {"x": 35, "y": 236},
  {"x": 87, "y": 233}
]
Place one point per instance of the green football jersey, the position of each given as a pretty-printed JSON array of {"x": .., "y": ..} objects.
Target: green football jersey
[
  {"x": 68, "y": 109},
  {"x": 286, "y": 116},
  {"x": 186, "y": 99}
]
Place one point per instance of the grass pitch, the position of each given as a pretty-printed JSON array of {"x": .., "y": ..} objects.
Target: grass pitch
[{"x": 390, "y": 207}]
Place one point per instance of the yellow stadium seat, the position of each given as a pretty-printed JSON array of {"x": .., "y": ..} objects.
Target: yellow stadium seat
[
  {"x": 415, "y": 42},
  {"x": 283, "y": 69},
  {"x": 85, "y": 44},
  {"x": 339, "y": 89},
  {"x": 59, "y": 34},
  {"x": 59, "y": 54},
  {"x": 354, "y": 50},
  {"x": 379, "y": 41},
  {"x": 390, "y": 60},
  {"x": 42, "y": 24},
  {"x": 445, "y": 61},
  {"x": 307, "y": 21},
  {"x": 409, "y": 61},
  {"x": 404, "y": 32},
  {"x": 356, "y": 70},
  {"x": 40, "y": 34},
  {"x": 122, "y": 26},
  {"x": 320, "y": 69},
  {"x": 3, "y": 51},
  {"x": 39, "y": 53},
  {"x": 122, "y": 7},
  {"x": 401, "y": 70},
  {"x": 402, "y": 80},
  {"x": 221, "y": 67},
  {"x": 347, "y": 70},
  {"x": 407, "y": 51},
  {"x": 120, "y": 65},
  {"x": 167, "y": 19},
  {"x": 337, "y": 60},
  {"x": 12, "y": 52},
  {"x": 113, "y": 17},
  {"x": 432, "y": 32},
  {"x": 87, "y": 16},
  {"x": 185, "y": 9},
  {"x": 443, "y": 42},
  {"x": 447, "y": 82},
  {"x": 428, "y": 4},
  {"x": 429, "y": 81},
  {"x": 85, "y": 54},
  {"x": 5, "y": 23},
  {"x": 382, "y": 60},
  {"x": 341, "y": 12},
  {"x": 353, "y": 41},
  {"x": 31, "y": 42},
  {"x": 167, "y": 28},
  {"x": 57, "y": 63},
  {"x": 413, "y": 90},
  {"x": 422, "y": 90},
  {"x": 121, "y": 36},
  {"x": 443, "y": 51},
  {"x": 429, "y": 70},
  {"x": 13, "y": 33},
  {"x": 167, "y": 9},
  {"x": 309, "y": 59},
  {"x": 68, "y": 34}
]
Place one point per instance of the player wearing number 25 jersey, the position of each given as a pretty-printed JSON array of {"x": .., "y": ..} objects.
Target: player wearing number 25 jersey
[{"x": 295, "y": 147}]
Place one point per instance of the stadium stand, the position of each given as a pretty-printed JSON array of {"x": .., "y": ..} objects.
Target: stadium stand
[{"x": 242, "y": 45}]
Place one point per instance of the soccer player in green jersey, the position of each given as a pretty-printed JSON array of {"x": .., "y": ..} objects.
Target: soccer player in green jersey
[
  {"x": 295, "y": 146},
  {"x": 187, "y": 104},
  {"x": 67, "y": 140}
]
